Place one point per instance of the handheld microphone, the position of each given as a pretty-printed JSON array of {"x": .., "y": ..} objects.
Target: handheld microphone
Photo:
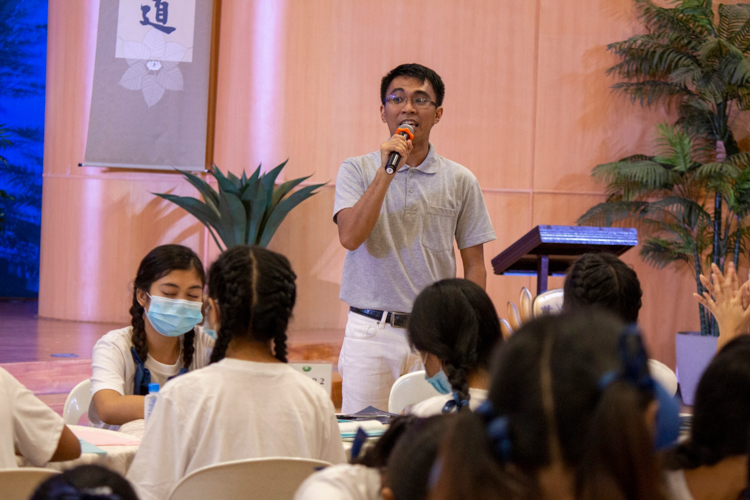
[{"x": 406, "y": 130}]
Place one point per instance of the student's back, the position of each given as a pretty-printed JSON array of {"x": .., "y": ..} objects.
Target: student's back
[
  {"x": 248, "y": 403},
  {"x": 27, "y": 424},
  {"x": 237, "y": 409}
]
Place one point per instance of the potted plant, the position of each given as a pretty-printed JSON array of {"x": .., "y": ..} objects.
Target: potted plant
[
  {"x": 692, "y": 197},
  {"x": 245, "y": 210}
]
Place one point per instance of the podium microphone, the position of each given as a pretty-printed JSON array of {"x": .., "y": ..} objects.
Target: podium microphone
[{"x": 406, "y": 130}]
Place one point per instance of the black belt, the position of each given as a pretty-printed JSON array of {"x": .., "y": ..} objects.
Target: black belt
[{"x": 396, "y": 320}]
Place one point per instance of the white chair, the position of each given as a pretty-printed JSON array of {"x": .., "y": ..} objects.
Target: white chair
[
  {"x": 262, "y": 478},
  {"x": 549, "y": 302},
  {"x": 409, "y": 389},
  {"x": 77, "y": 403},
  {"x": 19, "y": 484},
  {"x": 664, "y": 375}
]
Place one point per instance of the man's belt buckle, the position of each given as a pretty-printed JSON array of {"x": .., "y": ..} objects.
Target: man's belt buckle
[{"x": 402, "y": 320}]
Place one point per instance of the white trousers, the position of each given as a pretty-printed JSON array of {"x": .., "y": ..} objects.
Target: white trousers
[{"x": 373, "y": 356}]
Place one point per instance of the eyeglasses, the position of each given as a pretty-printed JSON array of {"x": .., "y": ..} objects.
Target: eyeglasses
[{"x": 419, "y": 101}]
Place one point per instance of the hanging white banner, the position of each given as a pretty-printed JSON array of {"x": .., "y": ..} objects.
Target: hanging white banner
[{"x": 149, "y": 105}]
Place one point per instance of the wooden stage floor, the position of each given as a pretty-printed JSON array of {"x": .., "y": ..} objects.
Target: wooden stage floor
[{"x": 30, "y": 349}]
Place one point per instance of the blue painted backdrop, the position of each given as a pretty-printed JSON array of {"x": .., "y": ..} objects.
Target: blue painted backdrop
[{"x": 23, "y": 55}]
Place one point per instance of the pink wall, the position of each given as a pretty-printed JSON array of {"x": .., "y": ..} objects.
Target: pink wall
[{"x": 527, "y": 109}]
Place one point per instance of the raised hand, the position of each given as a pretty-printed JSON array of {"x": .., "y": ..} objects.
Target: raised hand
[{"x": 727, "y": 301}]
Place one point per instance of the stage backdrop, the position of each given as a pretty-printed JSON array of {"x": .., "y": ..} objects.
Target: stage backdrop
[
  {"x": 23, "y": 60},
  {"x": 527, "y": 108}
]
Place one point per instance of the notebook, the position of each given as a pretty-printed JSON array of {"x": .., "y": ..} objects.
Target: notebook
[{"x": 373, "y": 428}]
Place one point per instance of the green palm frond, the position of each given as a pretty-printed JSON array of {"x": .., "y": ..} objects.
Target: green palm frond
[
  {"x": 660, "y": 252},
  {"x": 612, "y": 212},
  {"x": 245, "y": 210},
  {"x": 650, "y": 92},
  {"x": 650, "y": 175},
  {"x": 734, "y": 24}
]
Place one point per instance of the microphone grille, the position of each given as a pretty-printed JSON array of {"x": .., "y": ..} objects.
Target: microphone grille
[{"x": 408, "y": 127}]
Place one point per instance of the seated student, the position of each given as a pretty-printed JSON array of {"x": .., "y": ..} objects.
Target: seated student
[
  {"x": 571, "y": 406},
  {"x": 162, "y": 341},
  {"x": 602, "y": 280},
  {"x": 31, "y": 427},
  {"x": 455, "y": 327},
  {"x": 712, "y": 463},
  {"x": 248, "y": 403},
  {"x": 85, "y": 482},
  {"x": 362, "y": 479}
]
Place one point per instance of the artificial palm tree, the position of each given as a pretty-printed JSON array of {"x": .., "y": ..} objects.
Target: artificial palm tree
[{"x": 696, "y": 189}]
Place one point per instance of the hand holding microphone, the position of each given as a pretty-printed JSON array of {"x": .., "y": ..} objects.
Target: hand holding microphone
[{"x": 405, "y": 131}]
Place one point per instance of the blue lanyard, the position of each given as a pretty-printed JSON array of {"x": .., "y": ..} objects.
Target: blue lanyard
[{"x": 143, "y": 375}]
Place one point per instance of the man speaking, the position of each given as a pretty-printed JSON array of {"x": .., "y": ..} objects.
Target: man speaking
[{"x": 398, "y": 229}]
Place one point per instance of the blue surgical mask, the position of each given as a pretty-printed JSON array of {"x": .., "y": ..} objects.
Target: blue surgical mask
[
  {"x": 173, "y": 317},
  {"x": 208, "y": 330},
  {"x": 440, "y": 382}
]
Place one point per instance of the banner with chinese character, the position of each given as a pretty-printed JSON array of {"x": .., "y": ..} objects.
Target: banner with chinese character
[{"x": 150, "y": 98}]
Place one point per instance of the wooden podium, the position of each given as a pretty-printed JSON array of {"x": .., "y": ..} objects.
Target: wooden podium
[{"x": 549, "y": 250}]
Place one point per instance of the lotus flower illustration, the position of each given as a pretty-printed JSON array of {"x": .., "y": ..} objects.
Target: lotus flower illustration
[{"x": 153, "y": 66}]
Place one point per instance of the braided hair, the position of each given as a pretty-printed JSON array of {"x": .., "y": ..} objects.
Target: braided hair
[
  {"x": 548, "y": 410},
  {"x": 159, "y": 262},
  {"x": 255, "y": 292},
  {"x": 455, "y": 320},
  {"x": 602, "y": 280}
]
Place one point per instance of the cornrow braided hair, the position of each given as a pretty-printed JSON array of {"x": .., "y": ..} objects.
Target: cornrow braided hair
[
  {"x": 159, "y": 262},
  {"x": 455, "y": 320},
  {"x": 255, "y": 292},
  {"x": 603, "y": 280}
]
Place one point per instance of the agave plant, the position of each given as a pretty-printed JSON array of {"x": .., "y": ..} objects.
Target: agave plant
[
  {"x": 245, "y": 210},
  {"x": 670, "y": 196}
]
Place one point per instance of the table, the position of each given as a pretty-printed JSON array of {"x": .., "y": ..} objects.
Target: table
[{"x": 118, "y": 458}]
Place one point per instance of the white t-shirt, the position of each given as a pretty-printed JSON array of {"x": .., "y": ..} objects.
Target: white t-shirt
[
  {"x": 342, "y": 482},
  {"x": 112, "y": 366},
  {"x": 434, "y": 405},
  {"x": 677, "y": 487},
  {"x": 233, "y": 410},
  {"x": 25, "y": 423}
]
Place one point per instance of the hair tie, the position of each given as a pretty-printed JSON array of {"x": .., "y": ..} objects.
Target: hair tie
[
  {"x": 498, "y": 430},
  {"x": 634, "y": 361},
  {"x": 59, "y": 490},
  {"x": 456, "y": 402}
]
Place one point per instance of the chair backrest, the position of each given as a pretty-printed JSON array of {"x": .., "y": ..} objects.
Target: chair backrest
[
  {"x": 77, "y": 403},
  {"x": 19, "y": 484},
  {"x": 664, "y": 375},
  {"x": 409, "y": 389},
  {"x": 262, "y": 478},
  {"x": 549, "y": 302}
]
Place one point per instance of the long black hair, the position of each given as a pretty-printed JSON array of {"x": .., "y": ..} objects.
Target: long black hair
[
  {"x": 721, "y": 414},
  {"x": 602, "y": 280},
  {"x": 455, "y": 320},
  {"x": 159, "y": 262},
  {"x": 546, "y": 407},
  {"x": 90, "y": 482},
  {"x": 255, "y": 292},
  {"x": 413, "y": 459}
]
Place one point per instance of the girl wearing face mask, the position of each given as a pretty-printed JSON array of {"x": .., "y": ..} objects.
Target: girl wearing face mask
[
  {"x": 162, "y": 341},
  {"x": 455, "y": 328}
]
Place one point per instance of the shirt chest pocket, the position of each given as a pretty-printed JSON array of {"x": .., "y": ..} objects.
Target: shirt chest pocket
[{"x": 438, "y": 228}]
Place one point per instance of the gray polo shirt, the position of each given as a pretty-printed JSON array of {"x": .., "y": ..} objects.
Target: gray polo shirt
[{"x": 411, "y": 246}]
